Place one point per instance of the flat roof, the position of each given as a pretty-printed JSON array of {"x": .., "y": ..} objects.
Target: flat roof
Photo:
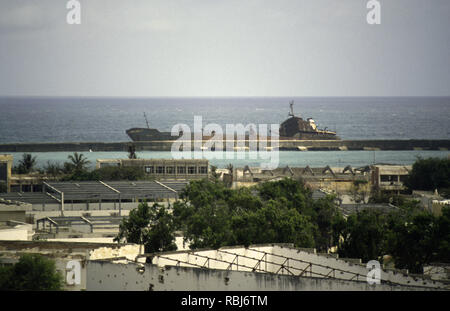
[{"x": 96, "y": 190}]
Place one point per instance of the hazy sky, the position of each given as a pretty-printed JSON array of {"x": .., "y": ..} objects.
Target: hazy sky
[{"x": 225, "y": 48}]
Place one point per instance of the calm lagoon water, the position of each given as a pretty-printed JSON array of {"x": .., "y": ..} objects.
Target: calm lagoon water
[{"x": 291, "y": 158}]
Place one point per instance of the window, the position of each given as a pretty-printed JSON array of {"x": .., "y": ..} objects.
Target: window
[
  {"x": 160, "y": 170},
  {"x": 3, "y": 171},
  {"x": 385, "y": 178},
  {"x": 389, "y": 178},
  {"x": 181, "y": 170},
  {"x": 150, "y": 169},
  {"x": 203, "y": 170},
  {"x": 192, "y": 170},
  {"x": 170, "y": 170}
]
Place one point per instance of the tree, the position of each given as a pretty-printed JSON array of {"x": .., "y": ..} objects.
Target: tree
[
  {"x": 443, "y": 236},
  {"x": 151, "y": 226},
  {"x": 26, "y": 164},
  {"x": 212, "y": 215},
  {"x": 53, "y": 169},
  {"x": 78, "y": 162},
  {"x": 363, "y": 236},
  {"x": 290, "y": 193},
  {"x": 109, "y": 173},
  {"x": 413, "y": 243},
  {"x": 33, "y": 272},
  {"x": 228, "y": 178},
  {"x": 385, "y": 197},
  {"x": 273, "y": 224},
  {"x": 327, "y": 219},
  {"x": 429, "y": 174},
  {"x": 132, "y": 152},
  {"x": 412, "y": 236},
  {"x": 359, "y": 191},
  {"x": 161, "y": 236},
  {"x": 230, "y": 168}
]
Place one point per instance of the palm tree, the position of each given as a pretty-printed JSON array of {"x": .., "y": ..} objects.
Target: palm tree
[
  {"x": 132, "y": 152},
  {"x": 27, "y": 164},
  {"x": 230, "y": 168},
  {"x": 53, "y": 169},
  {"x": 79, "y": 162}
]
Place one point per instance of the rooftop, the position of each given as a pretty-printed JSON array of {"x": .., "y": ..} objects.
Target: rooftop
[{"x": 95, "y": 190}]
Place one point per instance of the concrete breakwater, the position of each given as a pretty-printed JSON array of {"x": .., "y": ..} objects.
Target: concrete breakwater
[{"x": 300, "y": 145}]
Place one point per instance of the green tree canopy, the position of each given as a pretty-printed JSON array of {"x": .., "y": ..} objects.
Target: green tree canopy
[
  {"x": 412, "y": 243},
  {"x": 151, "y": 226},
  {"x": 26, "y": 165},
  {"x": 108, "y": 173},
  {"x": 212, "y": 215},
  {"x": 78, "y": 162},
  {"x": 53, "y": 169},
  {"x": 429, "y": 174},
  {"x": 33, "y": 272},
  {"x": 363, "y": 236},
  {"x": 412, "y": 236}
]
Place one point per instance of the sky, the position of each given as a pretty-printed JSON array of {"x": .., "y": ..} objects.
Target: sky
[{"x": 179, "y": 48}]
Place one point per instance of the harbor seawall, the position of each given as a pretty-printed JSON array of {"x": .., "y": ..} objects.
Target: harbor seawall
[{"x": 311, "y": 145}]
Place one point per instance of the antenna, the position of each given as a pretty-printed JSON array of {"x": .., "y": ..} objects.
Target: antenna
[
  {"x": 291, "y": 105},
  {"x": 146, "y": 121}
]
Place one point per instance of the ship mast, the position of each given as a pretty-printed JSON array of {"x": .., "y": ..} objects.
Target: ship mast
[
  {"x": 291, "y": 104},
  {"x": 146, "y": 121}
]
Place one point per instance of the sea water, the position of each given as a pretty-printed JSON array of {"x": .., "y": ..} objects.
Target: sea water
[{"x": 40, "y": 119}]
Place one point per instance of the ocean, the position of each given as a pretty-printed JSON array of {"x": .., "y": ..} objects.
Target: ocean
[{"x": 41, "y": 119}]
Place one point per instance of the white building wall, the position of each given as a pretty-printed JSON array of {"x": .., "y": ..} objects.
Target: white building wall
[
  {"x": 283, "y": 260},
  {"x": 130, "y": 251},
  {"x": 14, "y": 234},
  {"x": 107, "y": 276},
  {"x": 65, "y": 256}
]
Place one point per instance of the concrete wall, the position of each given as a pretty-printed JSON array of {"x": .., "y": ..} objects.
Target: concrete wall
[
  {"x": 12, "y": 215},
  {"x": 109, "y": 276},
  {"x": 308, "y": 262},
  {"x": 129, "y": 251},
  {"x": 65, "y": 252},
  {"x": 425, "y": 144},
  {"x": 14, "y": 234}
]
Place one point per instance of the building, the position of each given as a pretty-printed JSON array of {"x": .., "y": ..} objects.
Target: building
[
  {"x": 6, "y": 162},
  {"x": 438, "y": 205},
  {"x": 13, "y": 221},
  {"x": 16, "y": 231},
  {"x": 438, "y": 271},
  {"x": 28, "y": 182},
  {"x": 70, "y": 257},
  {"x": 332, "y": 179},
  {"x": 19, "y": 182},
  {"x": 13, "y": 211},
  {"x": 163, "y": 169},
  {"x": 349, "y": 209},
  {"x": 98, "y": 195},
  {"x": 266, "y": 267},
  {"x": 389, "y": 178}
]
